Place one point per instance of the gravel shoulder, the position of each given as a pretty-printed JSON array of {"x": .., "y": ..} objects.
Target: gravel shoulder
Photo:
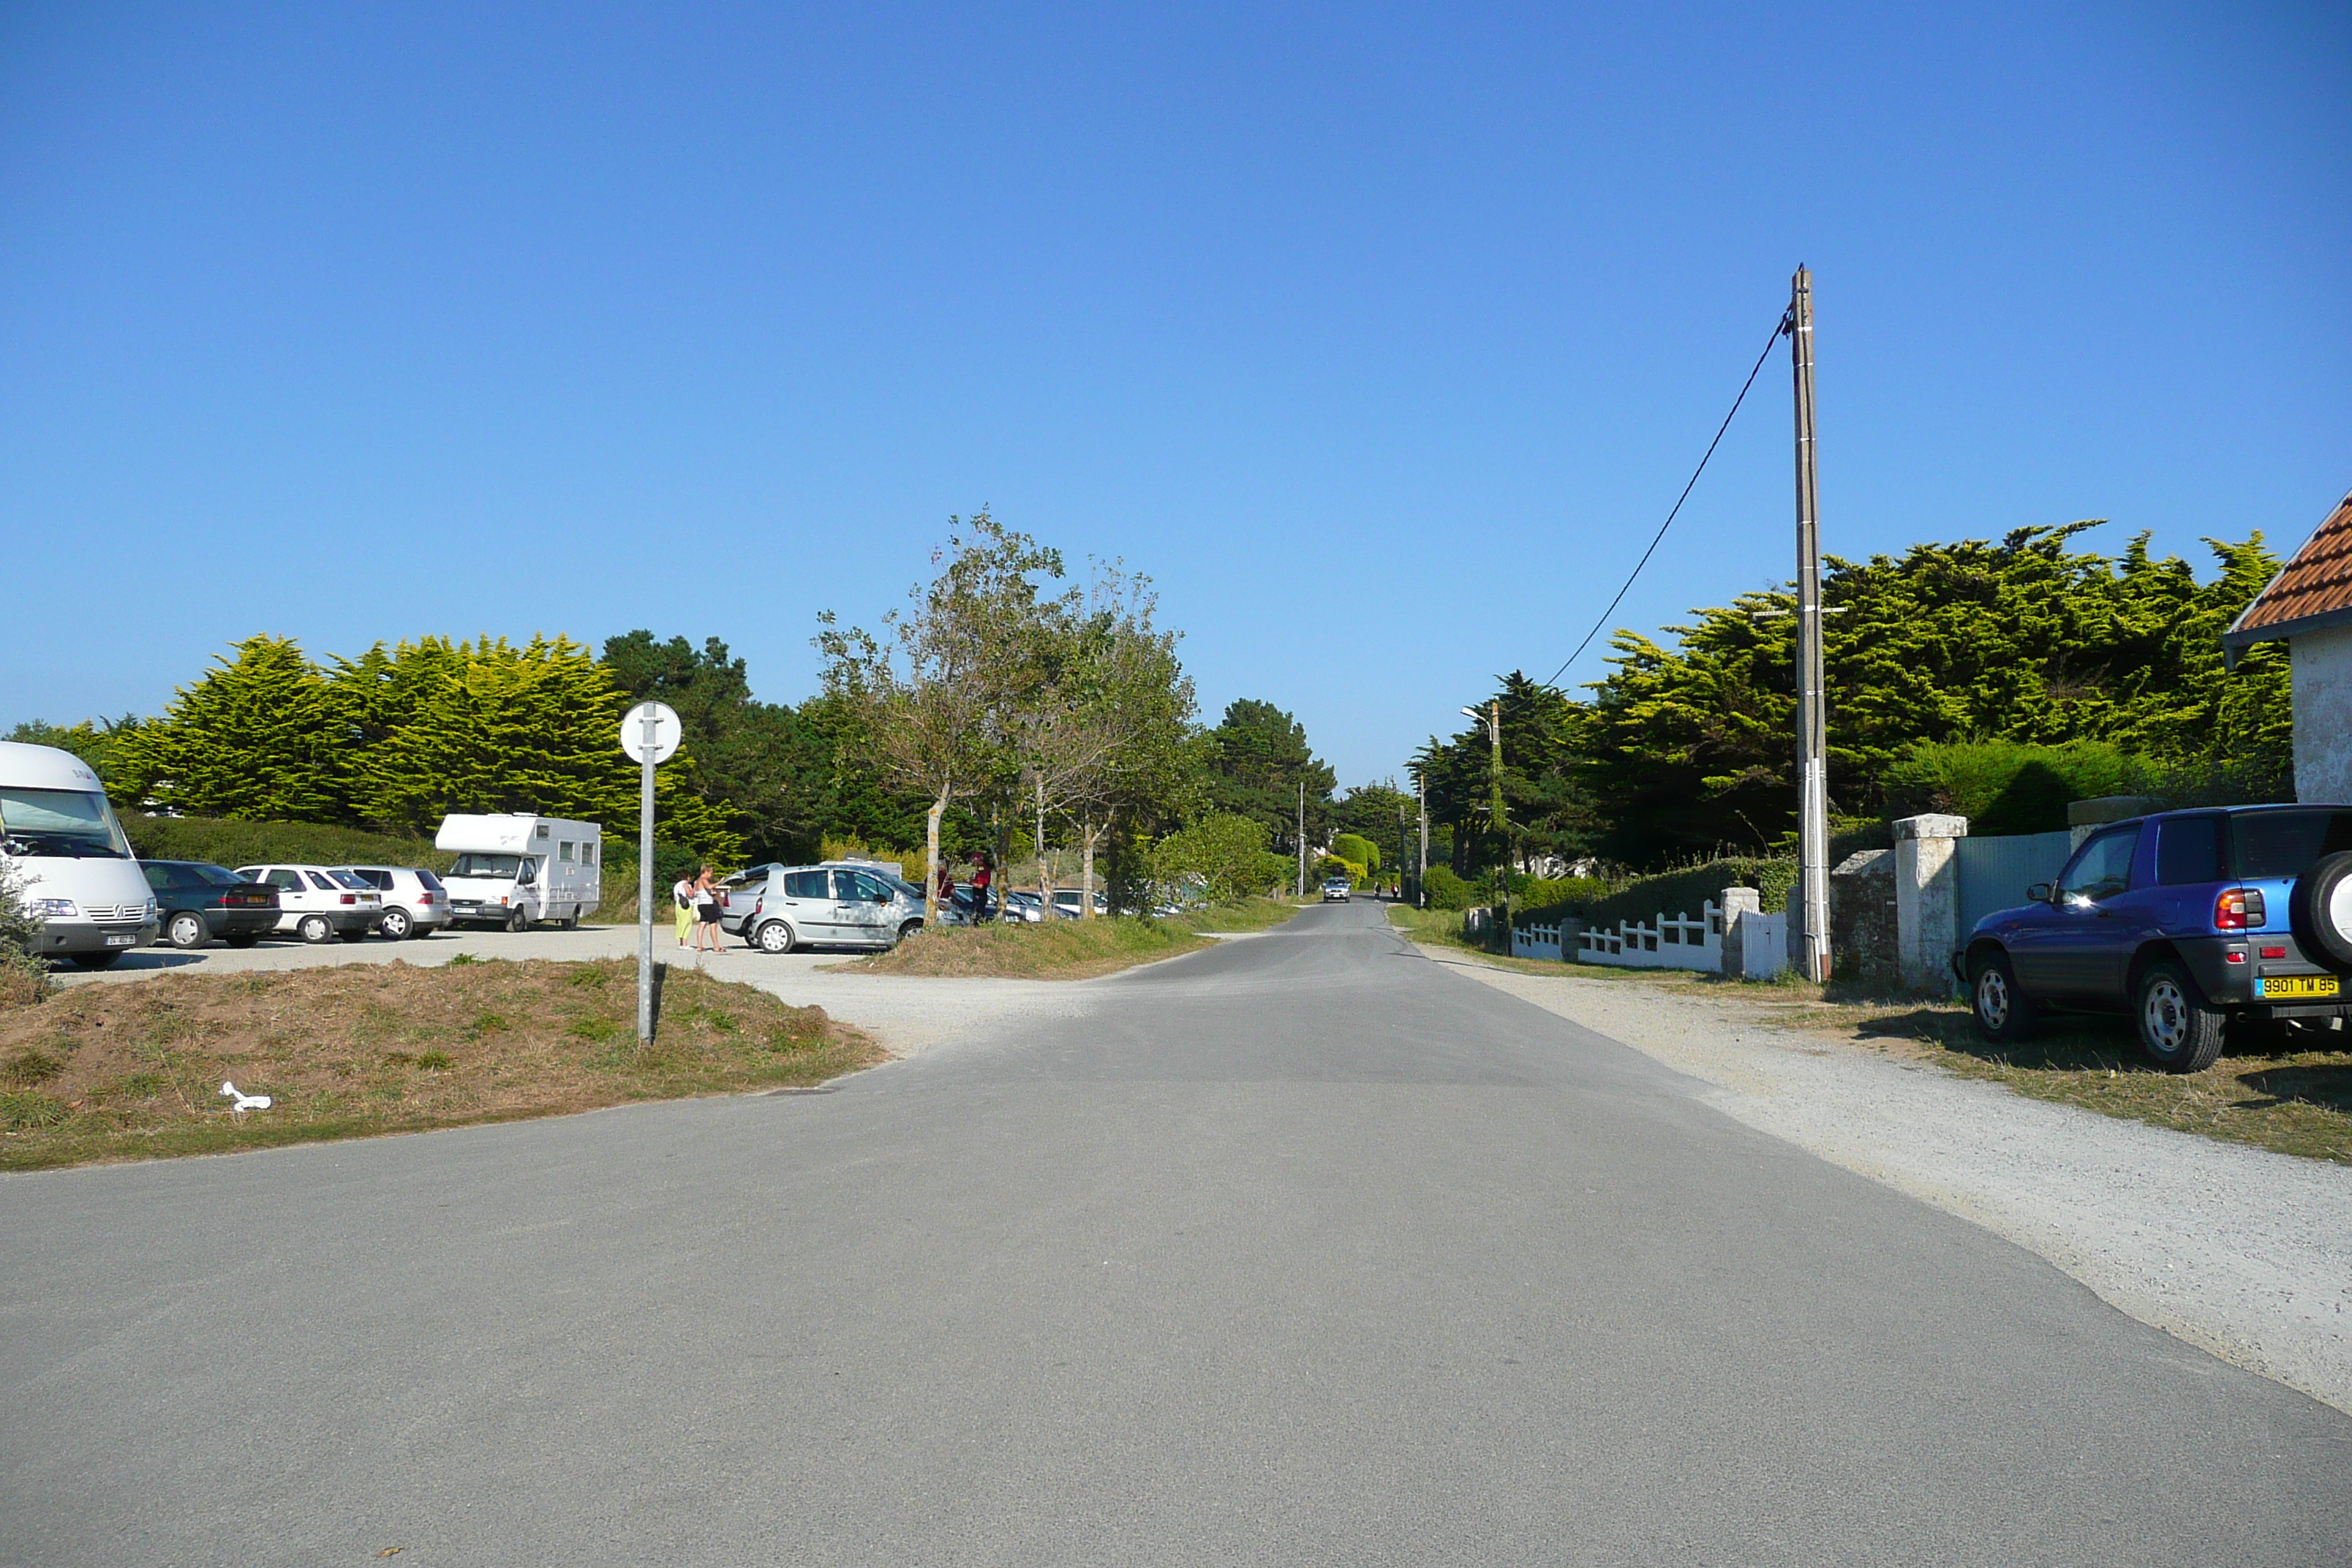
[{"x": 2243, "y": 1253}]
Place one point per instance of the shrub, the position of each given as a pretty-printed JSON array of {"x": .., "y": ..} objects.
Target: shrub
[
  {"x": 236, "y": 844},
  {"x": 1445, "y": 890},
  {"x": 24, "y": 979}
]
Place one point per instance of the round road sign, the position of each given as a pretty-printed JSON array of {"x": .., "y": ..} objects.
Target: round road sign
[{"x": 651, "y": 727}]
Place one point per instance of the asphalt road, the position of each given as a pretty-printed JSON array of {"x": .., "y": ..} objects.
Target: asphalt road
[{"x": 1306, "y": 1249}]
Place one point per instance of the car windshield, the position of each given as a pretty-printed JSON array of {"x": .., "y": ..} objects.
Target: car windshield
[
  {"x": 66, "y": 822},
  {"x": 2283, "y": 843},
  {"x": 485, "y": 866}
]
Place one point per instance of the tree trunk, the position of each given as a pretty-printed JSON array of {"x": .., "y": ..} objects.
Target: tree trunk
[
  {"x": 931, "y": 861},
  {"x": 1091, "y": 834},
  {"x": 1045, "y": 886}
]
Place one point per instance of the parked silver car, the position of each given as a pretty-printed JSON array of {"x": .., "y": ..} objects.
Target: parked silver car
[
  {"x": 414, "y": 901},
  {"x": 822, "y": 906}
]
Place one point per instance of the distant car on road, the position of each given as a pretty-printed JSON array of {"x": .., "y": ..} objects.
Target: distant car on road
[
  {"x": 319, "y": 903},
  {"x": 202, "y": 902},
  {"x": 2186, "y": 921},
  {"x": 1335, "y": 890},
  {"x": 414, "y": 901}
]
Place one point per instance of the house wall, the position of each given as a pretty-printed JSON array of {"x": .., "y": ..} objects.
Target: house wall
[{"x": 2322, "y": 665}]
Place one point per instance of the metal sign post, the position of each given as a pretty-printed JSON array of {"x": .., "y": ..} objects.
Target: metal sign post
[{"x": 649, "y": 733}]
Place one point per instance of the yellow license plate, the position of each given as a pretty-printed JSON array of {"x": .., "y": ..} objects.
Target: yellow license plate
[{"x": 2278, "y": 988}]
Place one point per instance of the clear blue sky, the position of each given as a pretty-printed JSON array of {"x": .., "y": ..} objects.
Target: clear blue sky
[{"x": 361, "y": 322}]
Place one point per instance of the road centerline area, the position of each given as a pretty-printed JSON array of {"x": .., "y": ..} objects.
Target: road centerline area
[{"x": 1302, "y": 1249}]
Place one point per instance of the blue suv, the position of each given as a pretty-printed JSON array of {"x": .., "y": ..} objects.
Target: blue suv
[{"x": 2184, "y": 920}]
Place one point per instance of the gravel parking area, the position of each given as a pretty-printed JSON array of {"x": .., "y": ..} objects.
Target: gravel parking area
[
  {"x": 2243, "y": 1253},
  {"x": 909, "y": 1016}
]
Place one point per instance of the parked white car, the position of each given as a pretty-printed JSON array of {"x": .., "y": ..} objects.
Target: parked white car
[
  {"x": 320, "y": 903},
  {"x": 414, "y": 901}
]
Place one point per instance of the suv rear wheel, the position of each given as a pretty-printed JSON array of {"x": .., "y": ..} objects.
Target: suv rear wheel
[
  {"x": 2178, "y": 1029},
  {"x": 2320, "y": 907},
  {"x": 2002, "y": 1011}
]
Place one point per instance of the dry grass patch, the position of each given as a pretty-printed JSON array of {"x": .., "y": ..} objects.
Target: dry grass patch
[
  {"x": 133, "y": 1070},
  {"x": 1053, "y": 950}
]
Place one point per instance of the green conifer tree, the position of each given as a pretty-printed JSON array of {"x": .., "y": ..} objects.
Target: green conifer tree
[{"x": 254, "y": 740}]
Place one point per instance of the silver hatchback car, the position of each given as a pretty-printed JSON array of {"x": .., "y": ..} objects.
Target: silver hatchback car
[{"x": 822, "y": 906}]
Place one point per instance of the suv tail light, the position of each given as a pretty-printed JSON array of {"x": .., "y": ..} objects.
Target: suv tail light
[{"x": 2239, "y": 909}]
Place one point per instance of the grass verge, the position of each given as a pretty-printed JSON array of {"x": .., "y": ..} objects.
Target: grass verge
[
  {"x": 134, "y": 1070},
  {"x": 1065, "y": 950},
  {"x": 2270, "y": 1090}
]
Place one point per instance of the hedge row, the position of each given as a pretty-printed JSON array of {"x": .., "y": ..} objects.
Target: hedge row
[
  {"x": 236, "y": 844},
  {"x": 1679, "y": 892}
]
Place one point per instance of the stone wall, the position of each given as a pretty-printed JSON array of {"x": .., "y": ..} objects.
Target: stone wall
[
  {"x": 2322, "y": 665},
  {"x": 1865, "y": 945}
]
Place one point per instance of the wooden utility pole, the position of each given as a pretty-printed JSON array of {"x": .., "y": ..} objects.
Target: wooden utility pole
[
  {"x": 1302, "y": 837},
  {"x": 1809, "y": 924},
  {"x": 1421, "y": 876}
]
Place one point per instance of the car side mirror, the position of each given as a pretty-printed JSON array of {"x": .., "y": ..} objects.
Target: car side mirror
[
  {"x": 2038, "y": 894},
  {"x": 881, "y": 897}
]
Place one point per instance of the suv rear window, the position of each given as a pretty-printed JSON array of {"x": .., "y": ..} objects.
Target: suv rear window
[{"x": 2282, "y": 843}]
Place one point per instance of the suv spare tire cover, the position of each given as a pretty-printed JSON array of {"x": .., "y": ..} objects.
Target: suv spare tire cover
[{"x": 2320, "y": 906}]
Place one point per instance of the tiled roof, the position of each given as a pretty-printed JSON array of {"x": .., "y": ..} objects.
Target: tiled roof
[{"x": 2314, "y": 588}]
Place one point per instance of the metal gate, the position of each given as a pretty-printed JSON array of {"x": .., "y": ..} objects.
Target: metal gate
[{"x": 1995, "y": 872}]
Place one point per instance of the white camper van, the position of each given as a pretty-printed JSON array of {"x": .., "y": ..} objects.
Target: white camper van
[
  {"x": 512, "y": 871},
  {"x": 61, "y": 846}
]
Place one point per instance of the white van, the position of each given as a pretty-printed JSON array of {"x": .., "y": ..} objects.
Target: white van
[
  {"x": 61, "y": 846},
  {"x": 512, "y": 871}
]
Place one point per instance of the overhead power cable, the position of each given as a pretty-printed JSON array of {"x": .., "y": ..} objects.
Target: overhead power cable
[{"x": 1777, "y": 332}]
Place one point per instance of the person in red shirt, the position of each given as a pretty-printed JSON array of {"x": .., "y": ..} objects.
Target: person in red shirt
[{"x": 980, "y": 878}]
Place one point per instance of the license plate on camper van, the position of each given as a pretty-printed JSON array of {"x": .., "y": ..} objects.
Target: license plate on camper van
[{"x": 122, "y": 941}]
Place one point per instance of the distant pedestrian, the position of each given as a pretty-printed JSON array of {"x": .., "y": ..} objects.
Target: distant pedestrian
[
  {"x": 982, "y": 876},
  {"x": 708, "y": 936},
  {"x": 946, "y": 890},
  {"x": 682, "y": 895}
]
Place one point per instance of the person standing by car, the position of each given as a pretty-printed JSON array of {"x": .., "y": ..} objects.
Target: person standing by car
[
  {"x": 946, "y": 890},
  {"x": 980, "y": 878},
  {"x": 707, "y": 935},
  {"x": 682, "y": 895}
]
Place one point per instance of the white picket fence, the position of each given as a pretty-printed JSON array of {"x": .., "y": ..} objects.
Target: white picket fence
[{"x": 1670, "y": 942}]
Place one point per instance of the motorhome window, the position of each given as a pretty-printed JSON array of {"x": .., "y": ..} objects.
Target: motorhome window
[
  {"x": 805, "y": 884},
  {"x": 588, "y": 853},
  {"x": 564, "y": 849},
  {"x": 485, "y": 866},
  {"x": 542, "y": 831},
  {"x": 64, "y": 823},
  {"x": 530, "y": 870}
]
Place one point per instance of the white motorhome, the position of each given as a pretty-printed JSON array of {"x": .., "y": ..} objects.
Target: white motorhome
[
  {"x": 513, "y": 870},
  {"x": 61, "y": 846}
]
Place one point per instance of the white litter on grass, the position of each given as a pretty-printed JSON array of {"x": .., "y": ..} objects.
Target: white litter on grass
[{"x": 243, "y": 1102}]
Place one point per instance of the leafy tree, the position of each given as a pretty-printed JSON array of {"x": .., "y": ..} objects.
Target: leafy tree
[
  {"x": 1226, "y": 851},
  {"x": 255, "y": 738},
  {"x": 1546, "y": 807},
  {"x": 934, "y": 691},
  {"x": 1259, "y": 757},
  {"x": 770, "y": 766},
  {"x": 2028, "y": 640}
]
